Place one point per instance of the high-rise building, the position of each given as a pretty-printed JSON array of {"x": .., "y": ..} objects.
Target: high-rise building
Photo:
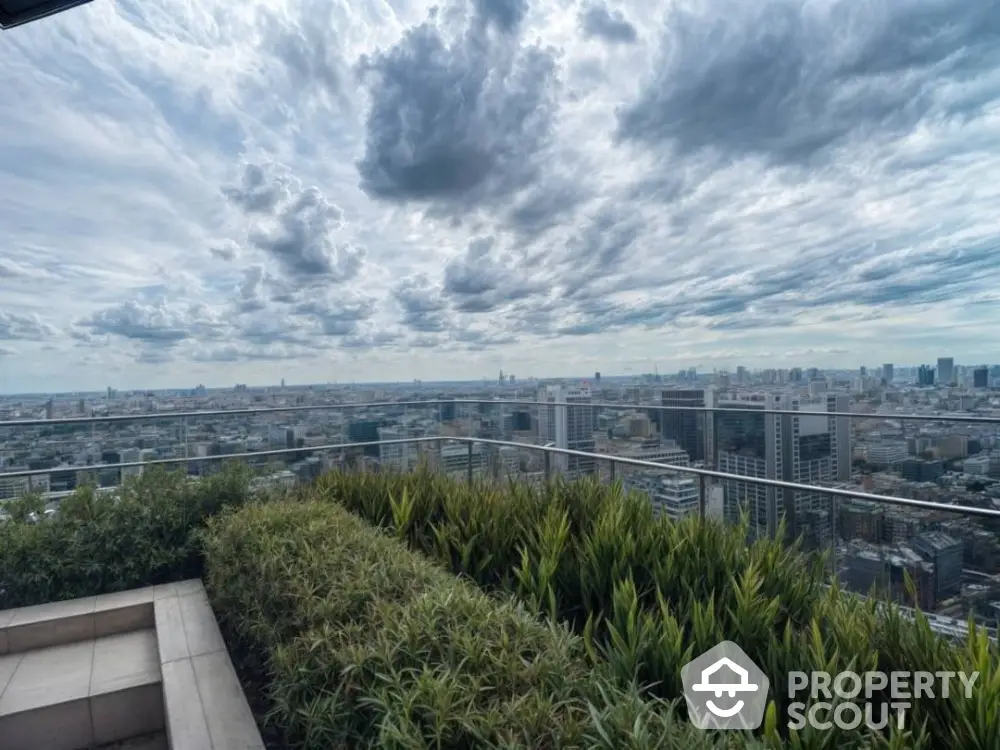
[
  {"x": 673, "y": 497},
  {"x": 946, "y": 553},
  {"x": 808, "y": 448},
  {"x": 946, "y": 371},
  {"x": 691, "y": 430},
  {"x": 396, "y": 456},
  {"x": 567, "y": 419},
  {"x": 48, "y": 409},
  {"x": 887, "y": 373},
  {"x": 981, "y": 377},
  {"x": 925, "y": 375},
  {"x": 840, "y": 431},
  {"x": 750, "y": 444}
]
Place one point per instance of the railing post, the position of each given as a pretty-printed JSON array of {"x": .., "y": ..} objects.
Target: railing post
[
  {"x": 701, "y": 496},
  {"x": 547, "y": 462},
  {"x": 611, "y": 469},
  {"x": 833, "y": 535},
  {"x": 469, "y": 469}
]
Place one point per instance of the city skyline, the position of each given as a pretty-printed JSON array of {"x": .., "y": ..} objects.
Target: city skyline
[
  {"x": 232, "y": 192},
  {"x": 874, "y": 371}
]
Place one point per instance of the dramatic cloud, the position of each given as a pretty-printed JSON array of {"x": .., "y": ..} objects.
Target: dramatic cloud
[
  {"x": 596, "y": 20},
  {"x": 14, "y": 326},
  {"x": 458, "y": 122},
  {"x": 789, "y": 79},
  {"x": 423, "y": 306},
  {"x": 318, "y": 190},
  {"x": 295, "y": 226},
  {"x": 159, "y": 322}
]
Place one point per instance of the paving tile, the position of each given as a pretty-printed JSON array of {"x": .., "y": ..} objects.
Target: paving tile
[
  {"x": 8, "y": 664},
  {"x": 126, "y": 714},
  {"x": 185, "y": 717},
  {"x": 190, "y": 586},
  {"x": 65, "y": 726},
  {"x": 230, "y": 721},
  {"x": 53, "y": 610},
  {"x": 124, "y": 598},
  {"x": 200, "y": 626},
  {"x": 170, "y": 629},
  {"x": 124, "y": 661},
  {"x": 43, "y": 633},
  {"x": 164, "y": 590},
  {"x": 52, "y": 675}
]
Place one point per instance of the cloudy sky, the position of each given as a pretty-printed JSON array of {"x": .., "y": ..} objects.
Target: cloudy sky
[{"x": 208, "y": 191}]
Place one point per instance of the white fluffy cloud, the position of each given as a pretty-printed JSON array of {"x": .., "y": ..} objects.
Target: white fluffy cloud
[{"x": 315, "y": 189}]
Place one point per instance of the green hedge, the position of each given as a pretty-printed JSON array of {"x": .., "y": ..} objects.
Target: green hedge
[
  {"x": 370, "y": 645},
  {"x": 138, "y": 535},
  {"x": 648, "y": 594}
]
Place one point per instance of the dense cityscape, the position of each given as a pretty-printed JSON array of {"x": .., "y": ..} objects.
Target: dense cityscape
[{"x": 954, "y": 560}]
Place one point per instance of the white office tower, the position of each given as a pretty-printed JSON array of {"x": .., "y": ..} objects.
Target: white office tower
[
  {"x": 946, "y": 371},
  {"x": 676, "y": 497},
  {"x": 397, "y": 456},
  {"x": 817, "y": 388},
  {"x": 130, "y": 456},
  {"x": 567, "y": 419},
  {"x": 455, "y": 460}
]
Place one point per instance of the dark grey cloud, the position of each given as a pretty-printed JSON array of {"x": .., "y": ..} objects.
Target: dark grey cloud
[
  {"x": 597, "y": 20},
  {"x": 295, "y": 226},
  {"x": 477, "y": 340},
  {"x": 241, "y": 352},
  {"x": 424, "y": 309},
  {"x": 227, "y": 250},
  {"x": 455, "y": 123},
  {"x": 338, "y": 317},
  {"x": 482, "y": 280},
  {"x": 370, "y": 340},
  {"x": 29, "y": 327},
  {"x": 506, "y": 14},
  {"x": 261, "y": 190},
  {"x": 594, "y": 258},
  {"x": 251, "y": 291},
  {"x": 787, "y": 79},
  {"x": 546, "y": 205},
  {"x": 156, "y": 322},
  {"x": 154, "y": 356},
  {"x": 309, "y": 47}
]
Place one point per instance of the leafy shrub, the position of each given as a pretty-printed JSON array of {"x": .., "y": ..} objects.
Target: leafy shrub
[
  {"x": 647, "y": 594},
  {"x": 139, "y": 535},
  {"x": 370, "y": 645}
]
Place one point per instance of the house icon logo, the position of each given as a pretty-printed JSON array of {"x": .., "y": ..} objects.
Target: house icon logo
[{"x": 724, "y": 689}]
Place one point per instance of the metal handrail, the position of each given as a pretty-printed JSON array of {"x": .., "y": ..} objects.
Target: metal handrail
[
  {"x": 547, "y": 449},
  {"x": 112, "y": 418}
]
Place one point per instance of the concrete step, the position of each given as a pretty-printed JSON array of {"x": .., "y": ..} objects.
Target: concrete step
[
  {"x": 75, "y": 695},
  {"x": 148, "y": 665}
]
